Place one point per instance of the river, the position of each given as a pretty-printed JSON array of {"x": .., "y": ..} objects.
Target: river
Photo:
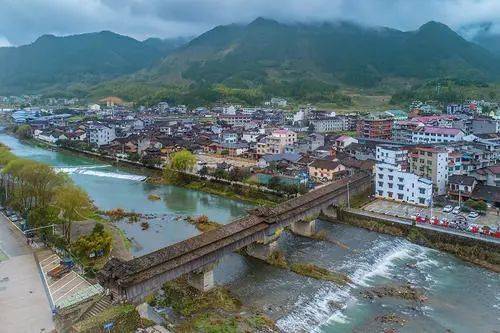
[{"x": 461, "y": 297}]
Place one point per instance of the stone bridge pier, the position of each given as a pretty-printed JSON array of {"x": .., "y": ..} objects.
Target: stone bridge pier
[
  {"x": 262, "y": 249},
  {"x": 203, "y": 278},
  {"x": 304, "y": 227}
]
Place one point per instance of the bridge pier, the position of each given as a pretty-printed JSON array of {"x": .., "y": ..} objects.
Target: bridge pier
[
  {"x": 304, "y": 228},
  {"x": 202, "y": 279},
  {"x": 262, "y": 251}
]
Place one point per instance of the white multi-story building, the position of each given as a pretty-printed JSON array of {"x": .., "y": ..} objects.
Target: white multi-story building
[
  {"x": 277, "y": 142},
  {"x": 435, "y": 134},
  {"x": 392, "y": 183},
  {"x": 331, "y": 124},
  {"x": 393, "y": 155},
  {"x": 101, "y": 135},
  {"x": 250, "y": 136}
]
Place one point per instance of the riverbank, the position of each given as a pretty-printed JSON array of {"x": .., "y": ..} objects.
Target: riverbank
[
  {"x": 478, "y": 253},
  {"x": 215, "y": 311},
  {"x": 233, "y": 192},
  {"x": 154, "y": 176}
]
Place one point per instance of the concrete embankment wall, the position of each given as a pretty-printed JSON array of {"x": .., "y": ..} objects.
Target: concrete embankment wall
[{"x": 481, "y": 253}]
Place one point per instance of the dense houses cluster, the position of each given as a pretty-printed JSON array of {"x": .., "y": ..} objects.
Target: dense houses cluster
[{"x": 415, "y": 155}]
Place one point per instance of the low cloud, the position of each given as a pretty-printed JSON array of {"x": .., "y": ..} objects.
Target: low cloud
[
  {"x": 23, "y": 21},
  {"x": 4, "y": 42}
]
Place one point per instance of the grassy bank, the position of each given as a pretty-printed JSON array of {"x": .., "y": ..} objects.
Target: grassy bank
[
  {"x": 234, "y": 192},
  {"x": 125, "y": 319},
  {"x": 319, "y": 273},
  {"x": 214, "y": 311},
  {"x": 203, "y": 223}
]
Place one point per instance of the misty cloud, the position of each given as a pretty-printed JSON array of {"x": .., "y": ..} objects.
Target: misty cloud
[{"x": 23, "y": 21}]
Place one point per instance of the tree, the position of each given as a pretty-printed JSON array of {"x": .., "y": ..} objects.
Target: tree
[
  {"x": 238, "y": 174},
  {"x": 30, "y": 184},
  {"x": 203, "y": 171},
  {"x": 99, "y": 241},
  {"x": 74, "y": 205},
  {"x": 478, "y": 205},
  {"x": 24, "y": 132},
  {"x": 183, "y": 161},
  {"x": 220, "y": 173}
]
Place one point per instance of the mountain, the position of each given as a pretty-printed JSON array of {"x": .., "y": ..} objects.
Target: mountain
[
  {"x": 489, "y": 41},
  {"x": 266, "y": 50},
  {"x": 168, "y": 45},
  {"x": 87, "y": 58},
  {"x": 292, "y": 59}
]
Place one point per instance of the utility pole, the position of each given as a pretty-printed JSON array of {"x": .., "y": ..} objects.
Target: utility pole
[
  {"x": 459, "y": 196},
  {"x": 348, "y": 197}
]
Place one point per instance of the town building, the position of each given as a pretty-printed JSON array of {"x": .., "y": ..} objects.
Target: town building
[
  {"x": 431, "y": 163},
  {"x": 101, "y": 135},
  {"x": 393, "y": 155},
  {"x": 330, "y": 124},
  {"x": 277, "y": 142},
  {"x": 435, "y": 134},
  {"x": 375, "y": 128},
  {"x": 325, "y": 169},
  {"x": 392, "y": 183}
]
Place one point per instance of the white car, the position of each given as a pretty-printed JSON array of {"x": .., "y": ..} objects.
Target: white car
[
  {"x": 456, "y": 210},
  {"x": 447, "y": 208},
  {"x": 473, "y": 215}
]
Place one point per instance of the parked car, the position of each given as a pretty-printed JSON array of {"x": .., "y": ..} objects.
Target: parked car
[
  {"x": 456, "y": 210},
  {"x": 474, "y": 228},
  {"x": 485, "y": 230},
  {"x": 453, "y": 225},
  {"x": 447, "y": 208},
  {"x": 420, "y": 219},
  {"x": 473, "y": 215}
]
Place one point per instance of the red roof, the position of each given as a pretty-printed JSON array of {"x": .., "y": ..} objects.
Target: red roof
[{"x": 442, "y": 130}]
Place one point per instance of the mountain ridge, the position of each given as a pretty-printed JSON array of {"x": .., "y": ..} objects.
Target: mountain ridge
[{"x": 262, "y": 52}]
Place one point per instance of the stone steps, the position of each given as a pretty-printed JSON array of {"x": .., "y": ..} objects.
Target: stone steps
[{"x": 103, "y": 304}]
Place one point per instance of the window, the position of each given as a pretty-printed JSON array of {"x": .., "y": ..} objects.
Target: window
[
  {"x": 391, "y": 177},
  {"x": 421, "y": 190},
  {"x": 400, "y": 179},
  {"x": 421, "y": 201},
  {"x": 389, "y": 194},
  {"x": 380, "y": 176},
  {"x": 400, "y": 196},
  {"x": 400, "y": 187},
  {"x": 389, "y": 184},
  {"x": 380, "y": 183}
]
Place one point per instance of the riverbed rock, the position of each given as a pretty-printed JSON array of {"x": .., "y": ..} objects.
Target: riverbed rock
[
  {"x": 406, "y": 291},
  {"x": 391, "y": 318}
]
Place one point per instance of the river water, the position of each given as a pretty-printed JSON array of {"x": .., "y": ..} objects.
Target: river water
[{"x": 461, "y": 297}]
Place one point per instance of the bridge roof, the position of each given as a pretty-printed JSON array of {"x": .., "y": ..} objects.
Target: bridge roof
[
  {"x": 231, "y": 232},
  {"x": 149, "y": 265}
]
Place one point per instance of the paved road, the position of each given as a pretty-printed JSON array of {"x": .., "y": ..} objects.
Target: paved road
[
  {"x": 24, "y": 306},
  {"x": 427, "y": 226}
]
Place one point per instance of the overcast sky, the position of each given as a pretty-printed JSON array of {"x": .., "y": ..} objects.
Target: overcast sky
[{"x": 22, "y": 21}]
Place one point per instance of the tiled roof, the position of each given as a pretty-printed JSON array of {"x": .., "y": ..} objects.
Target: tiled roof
[
  {"x": 441, "y": 130},
  {"x": 325, "y": 164}
]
